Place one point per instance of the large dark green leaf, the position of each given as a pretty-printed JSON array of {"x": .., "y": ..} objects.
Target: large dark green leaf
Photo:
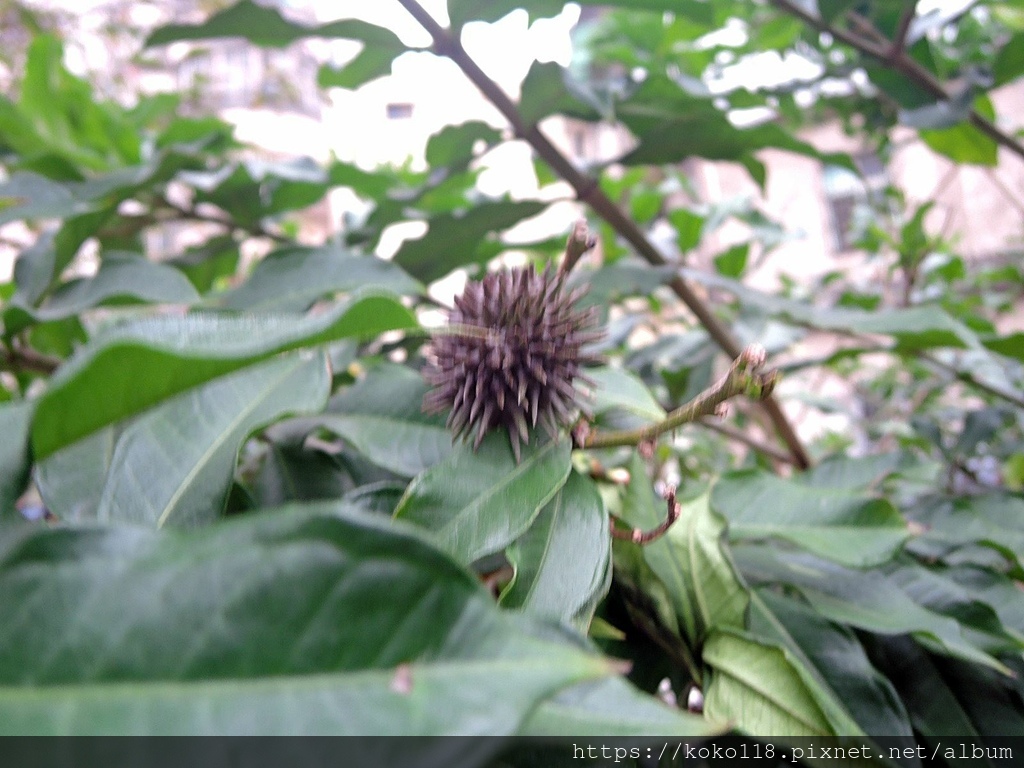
[
  {"x": 302, "y": 621},
  {"x": 994, "y": 521},
  {"x": 846, "y": 527},
  {"x": 382, "y": 418},
  {"x": 291, "y": 279},
  {"x": 475, "y": 503},
  {"x": 71, "y": 480},
  {"x": 865, "y": 599},
  {"x": 562, "y": 563},
  {"x": 943, "y": 595},
  {"x": 135, "y": 366},
  {"x": 838, "y": 672},
  {"x": 15, "y": 459},
  {"x": 123, "y": 278},
  {"x": 756, "y": 686},
  {"x": 851, "y": 473},
  {"x": 173, "y": 466}
]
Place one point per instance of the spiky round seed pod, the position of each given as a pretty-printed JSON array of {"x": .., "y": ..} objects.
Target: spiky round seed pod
[{"x": 512, "y": 357}]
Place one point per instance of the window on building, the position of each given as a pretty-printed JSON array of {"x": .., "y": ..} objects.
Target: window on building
[{"x": 399, "y": 111}]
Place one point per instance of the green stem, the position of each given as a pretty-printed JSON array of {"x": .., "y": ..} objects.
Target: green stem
[{"x": 744, "y": 378}]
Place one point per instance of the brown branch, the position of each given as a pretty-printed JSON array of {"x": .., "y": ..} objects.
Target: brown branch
[
  {"x": 588, "y": 190},
  {"x": 896, "y": 58},
  {"x": 21, "y": 358},
  {"x": 744, "y": 378},
  {"x": 899, "y": 41},
  {"x": 640, "y": 536},
  {"x": 256, "y": 230}
]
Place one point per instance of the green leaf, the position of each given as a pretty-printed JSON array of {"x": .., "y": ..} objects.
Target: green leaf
[
  {"x": 71, "y": 480},
  {"x": 1010, "y": 345},
  {"x": 933, "y": 706},
  {"x": 979, "y": 621},
  {"x": 68, "y": 119},
  {"x": 381, "y": 417},
  {"x": 613, "y": 707},
  {"x": 623, "y": 391},
  {"x": 913, "y": 328},
  {"x": 371, "y": 62},
  {"x": 135, "y": 366},
  {"x": 865, "y": 599},
  {"x": 120, "y": 278},
  {"x": 15, "y": 458},
  {"x": 562, "y": 563},
  {"x": 173, "y": 466},
  {"x": 690, "y": 559},
  {"x": 208, "y": 264},
  {"x": 1009, "y": 63},
  {"x": 265, "y": 26},
  {"x": 851, "y": 473},
  {"x": 293, "y": 473},
  {"x": 673, "y": 124},
  {"x": 995, "y": 521},
  {"x": 756, "y": 686},
  {"x": 732, "y": 262},
  {"x": 550, "y": 89},
  {"x": 316, "y": 620},
  {"x": 841, "y": 526},
  {"x": 291, "y": 279},
  {"x": 31, "y": 196},
  {"x": 689, "y": 228},
  {"x": 853, "y": 695},
  {"x": 459, "y": 239},
  {"x": 453, "y": 145},
  {"x": 475, "y": 503},
  {"x": 964, "y": 143}
]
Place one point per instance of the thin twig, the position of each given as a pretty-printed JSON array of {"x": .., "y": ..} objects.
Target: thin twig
[
  {"x": 970, "y": 380},
  {"x": 744, "y": 378},
  {"x": 742, "y": 437},
  {"x": 190, "y": 212},
  {"x": 899, "y": 41},
  {"x": 589, "y": 191},
  {"x": 21, "y": 358},
  {"x": 896, "y": 58},
  {"x": 640, "y": 536}
]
